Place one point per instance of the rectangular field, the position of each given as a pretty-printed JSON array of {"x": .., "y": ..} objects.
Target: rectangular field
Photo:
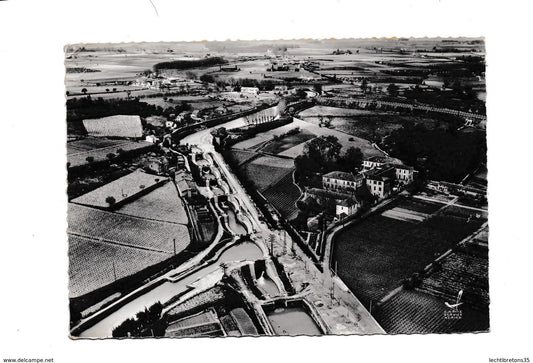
[
  {"x": 162, "y": 204},
  {"x": 93, "y": 264},
  {"x": 415, "y": 312},
  {"x": 126, "y": 230},
  {"x": 266, "y": 171},
  {"x": 121, "y": 189},
  {"x": 78, "y": 151}
]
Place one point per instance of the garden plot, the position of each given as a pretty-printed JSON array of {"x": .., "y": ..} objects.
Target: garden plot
[
  {"x": 283, "y": 196},
  {"x": 405, "y": 215}
]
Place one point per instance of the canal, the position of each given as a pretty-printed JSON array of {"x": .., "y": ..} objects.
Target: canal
[{"x": 164, "y": 292}]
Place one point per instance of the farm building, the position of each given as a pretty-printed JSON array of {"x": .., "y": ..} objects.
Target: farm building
[{"x": 115, "y": 126}]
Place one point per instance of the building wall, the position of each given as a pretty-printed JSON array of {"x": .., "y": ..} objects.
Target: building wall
[
  {"x": 404, "y": 175},
  {"x": 367, "y": 164},
  {"x": 341, "y": 185},
  {"x": 378, "y": 188},
  {"x": 347, "y": 210}
]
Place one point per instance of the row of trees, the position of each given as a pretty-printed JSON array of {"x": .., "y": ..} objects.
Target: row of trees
[
  {"x": 147, "y": 323},
  {"x": 79, "y": 109}
]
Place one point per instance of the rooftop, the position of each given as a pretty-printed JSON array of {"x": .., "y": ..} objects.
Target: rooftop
[
  {"x": 328, "y": 194},
  {"x": 348, "y": 202},
  {"x": 342, "y": 175},
  {"x": 377, "y": 159}
]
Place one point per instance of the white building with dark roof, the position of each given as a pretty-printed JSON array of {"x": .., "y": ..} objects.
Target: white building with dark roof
[
  {"x": 374, "y": 161},
  {"x": 340, "y": 181},
  {"x": 346, "y": 207}
]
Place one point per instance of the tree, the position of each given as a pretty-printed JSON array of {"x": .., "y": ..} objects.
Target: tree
[
  {"x": 207, "y": 78},
  {"x": 318, "y": 88},
  {"x": 84, "y": 90},
  {"x": 364, "y": 85},
  {"x": 352, "y": 159},
  {"x": 393, "y": 89},
  {"x": 110, "y": 156},
  {"x": 110, "y": 200},
  {"x": 323, "y": 149},
  {"x": 89, "y": 159}
]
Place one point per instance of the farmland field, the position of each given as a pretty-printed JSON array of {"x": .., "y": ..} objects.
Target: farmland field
[
  {"x": 78, "y": 151},
  {"x": 278, "y": 146},
  {"x": 266, "y": 171},
  {"x": 161, "y": 204},
  {"x": 91, "y": 263},
  {"x": 410, "y": 312},
  {"x": 308, "y": 127},
  {"x": 126, "y": 230},
  {"x": 240, "y": 156},
  {"x": 283, "y": 196},
  {"x": 126, "y": 187},
  {"x": 422, "y": 311},
  {"x": 362, "y": 123},
  {"x": 376, "y": 253}
]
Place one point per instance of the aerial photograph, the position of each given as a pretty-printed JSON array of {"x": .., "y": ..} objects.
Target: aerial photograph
[{"x": 277, "y": 188}]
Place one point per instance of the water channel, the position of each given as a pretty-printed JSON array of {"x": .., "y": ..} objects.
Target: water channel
[
  {"x": 292, "y": 321},
  {"x": 164, "y": 292}
]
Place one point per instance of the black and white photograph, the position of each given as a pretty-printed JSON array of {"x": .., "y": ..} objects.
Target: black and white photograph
[
  {"x": 300, "y": 181},
  {"x": 277, "y": 188}
]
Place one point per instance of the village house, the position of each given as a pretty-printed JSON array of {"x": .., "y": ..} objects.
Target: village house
[
  {"x": 152, "y": 138},
  {"x": 339, "y": 181},
  {"x": 373, "y": 162},
  {"x": 171, "y": 124},
  {"x": 185, "y": 184},
  {"x": 346, "y": 208},
  {"x": 404, "y": 174},
  {"x": 379, "y": 180}
]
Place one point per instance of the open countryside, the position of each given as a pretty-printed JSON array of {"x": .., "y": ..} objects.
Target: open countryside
[{"x": 259, "y": 188}]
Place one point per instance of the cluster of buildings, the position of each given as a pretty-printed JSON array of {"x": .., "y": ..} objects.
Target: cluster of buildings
[{"x": 348, "y": 191}]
